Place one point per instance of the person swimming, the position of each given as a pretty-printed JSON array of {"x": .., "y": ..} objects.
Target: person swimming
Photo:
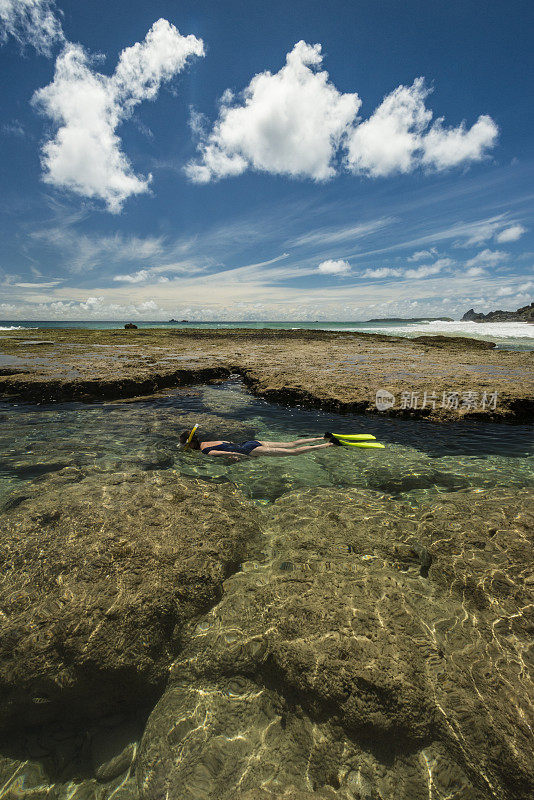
[{"x": 254, "y": 447}]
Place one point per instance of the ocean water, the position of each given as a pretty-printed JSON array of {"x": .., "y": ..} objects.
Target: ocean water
[
  {"x": 213, "y": 734},
  {"x": 507, "y": 335}
]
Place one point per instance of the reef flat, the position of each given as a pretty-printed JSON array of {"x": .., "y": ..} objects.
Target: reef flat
[{"x": 433, "y": 377}]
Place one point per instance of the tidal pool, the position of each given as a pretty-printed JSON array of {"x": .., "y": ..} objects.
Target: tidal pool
[
  {"x": 374, "y": 642},
  {"x": 420, "y": 458}
]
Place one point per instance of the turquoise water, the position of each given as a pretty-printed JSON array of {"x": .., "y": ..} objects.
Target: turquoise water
[
  {"x": 420, "y": 458},
  {"x": 506, "y": 335}
]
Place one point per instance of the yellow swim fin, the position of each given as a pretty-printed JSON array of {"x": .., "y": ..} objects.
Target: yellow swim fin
[{"x": 350, "y": 437}]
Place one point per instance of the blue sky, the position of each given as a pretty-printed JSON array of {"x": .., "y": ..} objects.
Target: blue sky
[{"x": 265, "y": 160}]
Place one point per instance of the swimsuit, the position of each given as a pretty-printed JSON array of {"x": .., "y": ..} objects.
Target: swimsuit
[{"x": 230, "y": 447}]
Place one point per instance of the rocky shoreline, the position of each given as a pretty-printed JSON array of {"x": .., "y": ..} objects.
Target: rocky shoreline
[
  {"x": 523, "y": 314},
  {"x": 430, "y": 377}
]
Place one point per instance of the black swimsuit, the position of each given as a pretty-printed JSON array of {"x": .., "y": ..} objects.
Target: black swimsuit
[{"x": 243, "y": 449}]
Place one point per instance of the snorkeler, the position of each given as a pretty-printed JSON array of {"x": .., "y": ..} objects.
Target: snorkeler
[{"x": 255, "y": 447}]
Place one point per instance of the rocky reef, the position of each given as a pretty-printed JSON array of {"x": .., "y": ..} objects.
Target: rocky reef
[
  {"x": 429, "y": 377},
  {"x": 523, "y": 314},
  {"x": 99, "y": 576},
  {"x": 380, "y": 652},
  {"x": 334, "y": 644}
]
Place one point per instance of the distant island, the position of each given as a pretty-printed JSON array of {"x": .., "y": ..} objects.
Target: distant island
[
  {"x": 411, "y": 319},
  {"x": 523, "y": 314},
  {"x": 179, "y": 322}
]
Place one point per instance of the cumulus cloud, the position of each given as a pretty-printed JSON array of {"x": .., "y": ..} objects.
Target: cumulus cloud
[
  {"x": 141, "y": 276},
  {"x": 397, "y": 137},
  {"x": 487, "y": 258},
  {"x": 98, "y": 307},
  {"x": 338, "y": 267},
  {"x": 31, "y": 22},
  {"x": 295, "y": 122},
  {"x": 511, "y": 234},
  {"x": 474, "y": 272},
  {"x": 87, "y": 107},
  {"x": 287, "y": 123},
  {"x": 449, "y": 147}
]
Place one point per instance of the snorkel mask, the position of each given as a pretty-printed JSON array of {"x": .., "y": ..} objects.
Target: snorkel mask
[{"x": 186, "y": 445}]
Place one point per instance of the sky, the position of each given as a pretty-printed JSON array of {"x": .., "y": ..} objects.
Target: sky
[{"x": 265, "y": 160}]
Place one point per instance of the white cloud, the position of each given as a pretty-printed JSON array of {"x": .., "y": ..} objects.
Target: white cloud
[
  {"x": 287, "y": 123},
  {"x": 87, "y": 107},
  {"x": 382, "y": 272},
  {"x": 142, "y": 276},
  {"x": 81, "y": 252},
  {"x": 448, "y": 147},
  {"x": 43, "y": 285},
  {"x": 487, "y": 258},
  {"x": 98, "y": 307},
  {"x": 31, "y": 22},
  {"x": 413, "y": 272},
  {"x": 137, "y": 277},
  {"x": 331, "y": 267},
  {"x": 474, "y": 272},
  {"x": 478, "y": 232},
  {"x": 13, "y": 128},
  {"x": 388, "y": 141},
  {"x": 511, "y": 234},
  {"x": 396, "y": 138},
  {"x": 422, "y": 254},
  {"x": 424, "y": 272},
  {"x": 327, "y": 236},
  {"x": 295, "y": 122}
]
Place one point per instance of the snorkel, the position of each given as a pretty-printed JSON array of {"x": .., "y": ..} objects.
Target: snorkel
[{"x": 186, "y": 445}]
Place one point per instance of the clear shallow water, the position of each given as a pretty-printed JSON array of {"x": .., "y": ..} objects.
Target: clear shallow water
[
  {"x": 507, "y": 335},
  {"x": 303, "y": 573},
  {"x": 420, "y": 458}
]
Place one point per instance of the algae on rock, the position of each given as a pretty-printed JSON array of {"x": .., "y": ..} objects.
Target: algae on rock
[{"x": 100, "y": 573}]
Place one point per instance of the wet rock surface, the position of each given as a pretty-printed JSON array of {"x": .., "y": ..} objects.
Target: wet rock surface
[
  {"x": 347, "y": 624},
  {"x": 99, "y": 575},
  {"x": 334, "y": 371},
  {"x": 333, "y": 666}
]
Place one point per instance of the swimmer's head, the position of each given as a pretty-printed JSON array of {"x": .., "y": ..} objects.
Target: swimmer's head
[{"x": 194, "y": 444}]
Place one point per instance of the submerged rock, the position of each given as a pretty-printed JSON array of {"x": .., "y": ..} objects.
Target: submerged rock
[
  {"x": 100, "y": 573},
  {"x": 351, "y": 676}
]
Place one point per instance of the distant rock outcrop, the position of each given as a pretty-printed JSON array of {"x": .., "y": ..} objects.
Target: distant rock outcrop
[
  {"x": 130, "y": 326},
  {"x": 523, "y": 314}
]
